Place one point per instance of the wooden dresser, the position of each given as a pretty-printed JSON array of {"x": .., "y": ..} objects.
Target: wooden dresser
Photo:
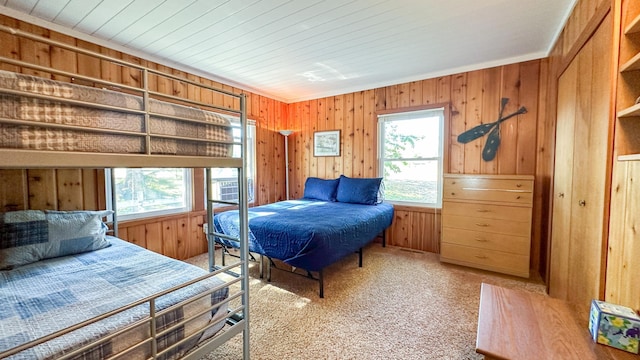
[{"x": 486, "y": 222}]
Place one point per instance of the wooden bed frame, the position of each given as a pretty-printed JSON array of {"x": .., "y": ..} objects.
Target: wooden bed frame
[{"x": 15, "y": 158}]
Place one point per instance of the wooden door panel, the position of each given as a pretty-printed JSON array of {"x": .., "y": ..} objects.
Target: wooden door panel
[
  {"x": 581, "y": 238},
  {"x": 599, "y": 157},
  {"x": 578, "y": 223},
  {"x": 562, "y": 187},
  {"x": 590, "y": 153}
]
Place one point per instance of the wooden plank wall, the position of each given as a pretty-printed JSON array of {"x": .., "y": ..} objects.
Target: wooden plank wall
[
  {"x": 64, "y": 189},
  {"x": 469, "y": 98},
  {"x": 179, "y": 236}
]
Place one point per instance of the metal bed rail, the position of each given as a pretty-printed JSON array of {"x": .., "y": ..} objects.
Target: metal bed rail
[
  {"x": 151, "y": 319},
  {"x": 111, "y": 59},
  {"x": 145, "y": 111},
  {"x": 142, "y": 90},
  {"x": 241, "y": 319}
]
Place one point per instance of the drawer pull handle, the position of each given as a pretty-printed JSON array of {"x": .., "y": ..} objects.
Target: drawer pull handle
[
  {"x": 482, "y": 225},
  {"x": 453, "y": 193},
  {"x": 518, "y": 185},
  {"x": 481, "y": 240},
  {"x": 518, "y": 197},
  {"x": 481, "y": 256},
  {"x": 561, "y": 195},
  {"x": 483, "y": 211},
  {"x": 582, "y": 203}
]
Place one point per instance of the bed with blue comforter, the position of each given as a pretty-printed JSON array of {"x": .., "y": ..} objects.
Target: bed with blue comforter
[
  {"x": 309, "y": 234},
  {"x": 336, "y": 218},
  {"x": 51, "y": 294}
]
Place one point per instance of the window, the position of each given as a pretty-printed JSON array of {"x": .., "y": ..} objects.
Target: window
[
  {"x": 410, "y": 149},
  {"x": 150, "y": 192},
  {"x": 224, "y": 181}
]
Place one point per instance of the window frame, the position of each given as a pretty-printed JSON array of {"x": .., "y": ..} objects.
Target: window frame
[
  {"x": 386, "y": 116},
  {"x": 188, "y": 197},
  {"x": 253, "y": 163}
]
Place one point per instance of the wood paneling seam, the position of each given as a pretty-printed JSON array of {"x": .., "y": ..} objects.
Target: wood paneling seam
[{"x": 590, "y": 29}]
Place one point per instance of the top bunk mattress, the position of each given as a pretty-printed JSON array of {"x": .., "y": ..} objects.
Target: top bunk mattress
[
  {"x": 49, "y": 295},
  {"x": 44, "y": 114}
]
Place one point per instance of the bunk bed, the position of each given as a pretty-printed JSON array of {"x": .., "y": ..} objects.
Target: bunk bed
[{"x": 187, "y": 312}]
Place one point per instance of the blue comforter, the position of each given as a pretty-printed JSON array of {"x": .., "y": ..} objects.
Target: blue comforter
[{"x": 308, "y": 234}]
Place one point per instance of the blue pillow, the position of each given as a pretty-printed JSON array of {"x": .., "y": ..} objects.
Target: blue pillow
[
  {"x": 321, "y": 189},
  {"x": 358, "y": 190},
  {"x": 381, "y": 192},
  {"x": 28, "y": 236}
]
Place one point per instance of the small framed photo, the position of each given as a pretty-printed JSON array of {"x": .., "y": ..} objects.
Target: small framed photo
[{"x": 326, "y": 143}]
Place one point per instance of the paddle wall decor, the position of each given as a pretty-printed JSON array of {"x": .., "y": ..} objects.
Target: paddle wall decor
[{"x": 493, "y": 129}]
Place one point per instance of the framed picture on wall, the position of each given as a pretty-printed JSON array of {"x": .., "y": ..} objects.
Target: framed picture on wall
[{"x": 326, "y": 143}]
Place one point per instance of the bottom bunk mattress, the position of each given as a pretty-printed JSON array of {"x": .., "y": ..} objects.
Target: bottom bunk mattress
[
  {"x": 50, "y": 295},
  {"x": 309, "y": 234}
]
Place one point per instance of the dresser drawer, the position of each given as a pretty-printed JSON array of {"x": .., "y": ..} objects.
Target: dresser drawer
[
  {"x": 505, "y": 243},
  {"x": 516, "y": 191},
  {"x": 485, "y": 259},
  {"x": 498, "y": 226},
  {"x": 485, "y": 211}
]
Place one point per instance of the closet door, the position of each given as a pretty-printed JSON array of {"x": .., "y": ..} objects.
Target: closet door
[
  {"x": 582, "y": 154},
  {"x": 562, "y": 183},
  {"x": 590, "y": 167}
]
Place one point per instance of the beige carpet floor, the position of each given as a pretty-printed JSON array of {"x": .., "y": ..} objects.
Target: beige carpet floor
[{"x": 400, "y": 305}]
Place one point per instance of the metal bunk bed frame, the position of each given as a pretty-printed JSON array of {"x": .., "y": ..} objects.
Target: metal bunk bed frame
[{"x": 238, "y": 318}]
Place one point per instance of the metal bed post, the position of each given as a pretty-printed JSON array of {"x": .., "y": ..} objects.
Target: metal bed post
[
  {"x": 244, "y": 227},
  {"x": 211, "y": 249},
  {"x": 145, "y": 98},
  {"x": 114, "y": 216}
]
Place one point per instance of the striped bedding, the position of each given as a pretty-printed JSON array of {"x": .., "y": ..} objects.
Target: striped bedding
[
  {"x": 208, "y": 135},
  {"x": 49, "y": 295}
]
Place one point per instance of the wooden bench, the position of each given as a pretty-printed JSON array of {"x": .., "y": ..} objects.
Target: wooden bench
[{"x": 515, "y": 324}]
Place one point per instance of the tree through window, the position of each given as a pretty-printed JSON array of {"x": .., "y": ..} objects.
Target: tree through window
[
  {"x": 410, "y": 149},
  {"x": 151, "y": 192}
]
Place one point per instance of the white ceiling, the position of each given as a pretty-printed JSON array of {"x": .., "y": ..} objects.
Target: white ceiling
[{"x": 306, "y": 49}]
